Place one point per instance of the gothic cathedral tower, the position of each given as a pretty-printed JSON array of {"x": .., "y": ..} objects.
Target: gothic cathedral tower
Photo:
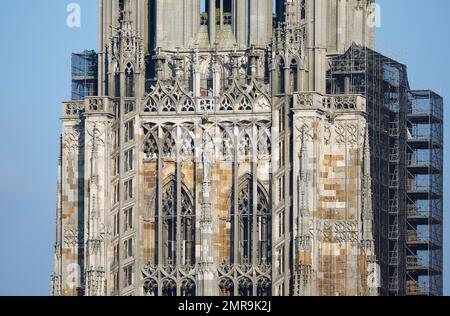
[{"x": 212, "y": 161}]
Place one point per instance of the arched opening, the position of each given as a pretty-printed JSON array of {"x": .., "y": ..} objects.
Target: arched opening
[
  {"x": 294, "y": 76},
  {"x": 129, "y": 81},
  {"x": 245, "y": 287},
  {"x": 187, "y": 230},
  {"x": 169, "y": 288},
  {"x": 169, "y": 214},
  {"x": 170, "y": 228},
  {"x": 225, "y": 7},
  {"x": 117, "y": 85},
  {"x": 264, "y": 228},
  {"x": 281, "y": 83},
  {"x": 151, "y": 287},
  {"x": 264, "y": 287},
  {"x": 245, "y": 215},
  {"x": 187, "y": 287},
  {"x": 226, "y": 287}
]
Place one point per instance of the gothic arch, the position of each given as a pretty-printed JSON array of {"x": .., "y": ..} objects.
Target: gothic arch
[
  {"x": 168, "y": 104},
  {"x": 227, "y": 141},
  {"x": 226, "y": 104},
  {"x": 150, "y": 105},
  {"x": 150, "y": 287},
  {"x": 169, "y": 141},
  {"x": 151, "y": 145},
  {"x": 294, "y": 74},
  {"x": 246, "y": 143},
  {"x": 245, "y": 287},
  {"x": 244, "y": 103},
  {"x": 169, "y": 287},
  {"x": 129, "y": 80},
  {"x": 264, "y": 287},
  {"x": 264, "y": 142},
  {"x": 246, "y": 219},
  {"x": 226, "y": 286},
  {"x": 188, "y": 287},
  {"x": 186, "y": 142},
  {"x": 171, "y": 230}
]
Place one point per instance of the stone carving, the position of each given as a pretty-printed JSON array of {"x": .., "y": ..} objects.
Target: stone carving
[
  {"x": 74, "y": 109},
  {"x": 72, "y": 140},
  {"x": 244, "y": 146},
  {"x": 352, "y": 134},
  {"x": 96, "y": 105},
  {"x": 327, "y": 133},
  {"x": 71, "y": 236},
  {"x": 168, "y": 145},
  {"x": 227, "y": 146},
  {"x": 95, "y": 131},
  {"x": 187, "y": 148},
  {"x": 226, "y": 285},
  {"x": 346, "y": 231},
  {"x": 340, "y": 130},
  {"x": 150, "y": 148},
  {"x": 264, "y": 144}
]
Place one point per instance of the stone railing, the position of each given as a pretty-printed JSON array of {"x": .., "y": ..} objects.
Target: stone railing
[
  {"x": 338, "y": 103},
  {"x": 90, "y": 105},
  {"x": 72, "y": 109},
  {"x": 99, "y": 105}
]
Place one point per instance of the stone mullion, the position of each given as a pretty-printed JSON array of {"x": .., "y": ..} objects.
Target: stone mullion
[
  {"x": 178, "y": 204},
  {"x": 236, "y": 206},
  {"x": 159, "y": 208},
  {"x": 254, "y": 204}
]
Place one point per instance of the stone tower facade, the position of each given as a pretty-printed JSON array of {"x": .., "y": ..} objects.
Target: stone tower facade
[{"x": 213, "y": 161}]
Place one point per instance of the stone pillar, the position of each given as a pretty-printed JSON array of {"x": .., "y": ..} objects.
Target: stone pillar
[
  {"x": 212, "y": 22},
  {"x": 207, "y": 275},
  {"x": 216, "y": 76},
  {"x": 96, "y": 173},
  {"x": 195, "y": 74}
]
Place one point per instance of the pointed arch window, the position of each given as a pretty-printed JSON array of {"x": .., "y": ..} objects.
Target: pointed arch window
[
  {"x": 281, "y": 83},
  {"x": 129, "y": 81},
  {"x": 245, "y": 224},
  {"x": 169, "y": 214},
  {"x": 264, "y": 228},
  {"x": 294, "y": 76},
  {"x": 303, "y": 9},
  {"x": 187, "y": 230},
  {"x": 246, "y": 229},
  {"x": 170, "y": 227}
]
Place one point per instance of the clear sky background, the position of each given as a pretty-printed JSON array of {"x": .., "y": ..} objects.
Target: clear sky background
[{"x": 35, "y": 78}]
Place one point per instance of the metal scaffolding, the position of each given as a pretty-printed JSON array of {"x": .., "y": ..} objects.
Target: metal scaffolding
[
  {"x": 84, "y": 74},
  {"x": 392, "y": 122},
  {"x": 425, "y": 207}
]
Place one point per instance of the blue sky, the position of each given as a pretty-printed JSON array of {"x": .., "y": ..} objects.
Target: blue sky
[{"x": 36, "y": 78}]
